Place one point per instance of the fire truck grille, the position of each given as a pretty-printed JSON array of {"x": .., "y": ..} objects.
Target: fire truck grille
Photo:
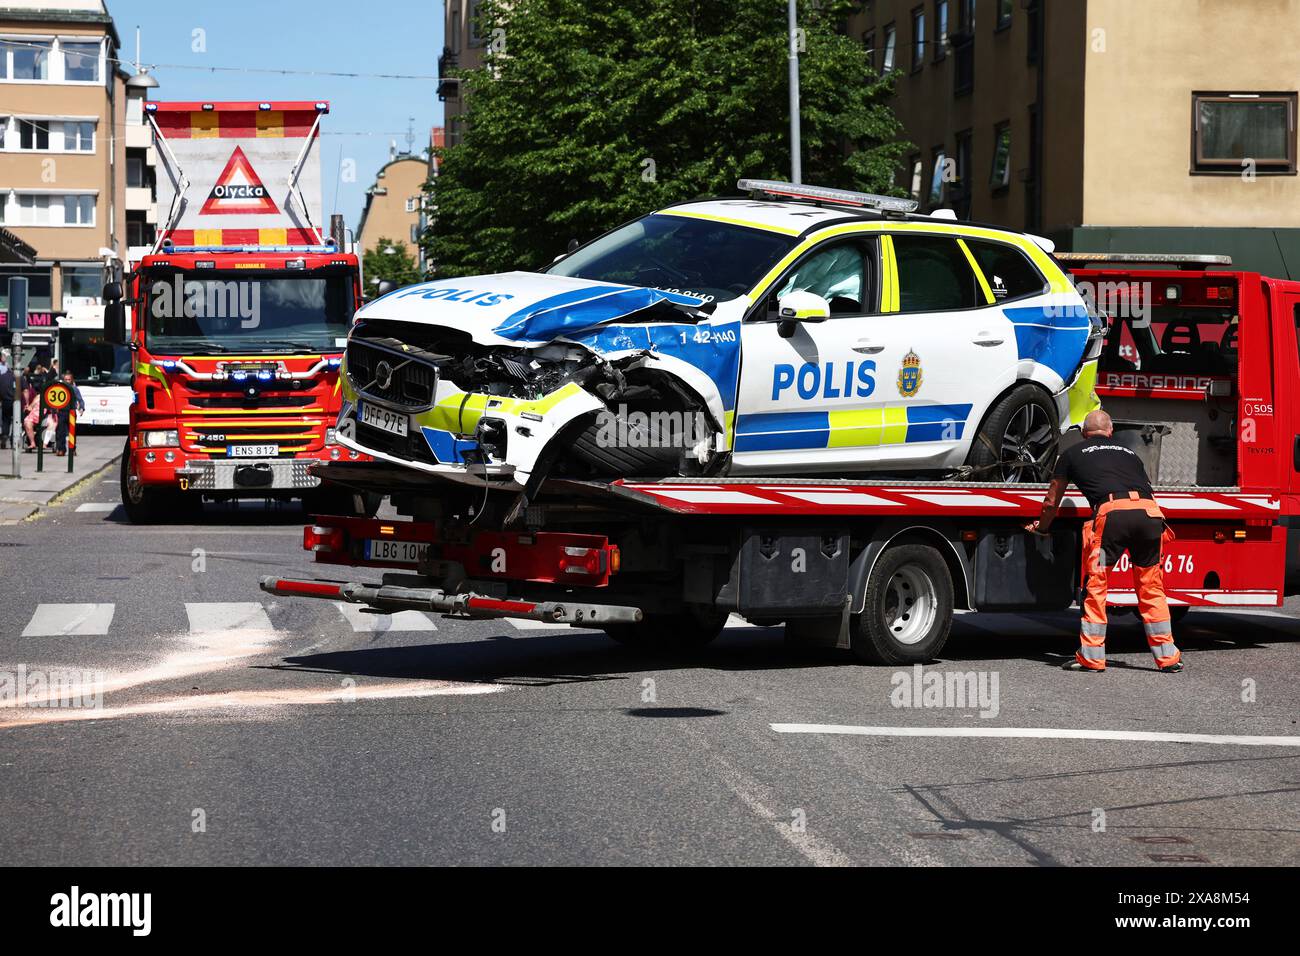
[
  {"x": 217, "y": 438},
  {"x": 390, "y": 376}
]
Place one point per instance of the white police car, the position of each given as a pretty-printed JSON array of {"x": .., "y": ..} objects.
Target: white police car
[{"x": 801, "y": 331}]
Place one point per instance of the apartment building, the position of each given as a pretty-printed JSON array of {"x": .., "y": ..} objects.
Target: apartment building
[
  {"x": 462, "y": 50},
  {"x": 62, "y": 175},
  {"x": 1107, "y": 125},
  {"x": 395, "y": 203}
]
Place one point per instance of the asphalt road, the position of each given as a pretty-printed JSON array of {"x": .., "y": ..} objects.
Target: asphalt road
[{"x": 238, "y": 728}]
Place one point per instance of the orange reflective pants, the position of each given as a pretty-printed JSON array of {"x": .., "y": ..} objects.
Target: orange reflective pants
[{"x": 1135, "y": 525}]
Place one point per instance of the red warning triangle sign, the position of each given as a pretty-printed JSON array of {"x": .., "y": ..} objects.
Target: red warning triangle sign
[{"x": 238, "y": 190}]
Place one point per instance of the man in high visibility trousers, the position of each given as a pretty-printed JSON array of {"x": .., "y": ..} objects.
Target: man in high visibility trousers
[{"x": 1125, "y": 518}]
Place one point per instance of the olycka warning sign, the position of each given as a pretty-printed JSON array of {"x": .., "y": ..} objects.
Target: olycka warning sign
[{"x": 238, "y": 190}]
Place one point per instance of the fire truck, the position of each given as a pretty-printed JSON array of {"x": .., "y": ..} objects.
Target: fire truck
[
  {"x": 1201, "y": 371},
  {"x": 238, "y": 315}
]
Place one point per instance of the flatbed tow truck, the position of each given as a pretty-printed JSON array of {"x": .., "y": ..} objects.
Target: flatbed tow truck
[{"x": 1201, "y": 371}]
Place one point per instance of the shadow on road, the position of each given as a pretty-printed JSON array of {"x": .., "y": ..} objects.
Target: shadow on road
[{"x": 577, "y": 656}]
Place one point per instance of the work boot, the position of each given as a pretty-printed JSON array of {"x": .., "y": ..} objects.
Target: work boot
[
  {"x": 1074, "y": 665},
  {"x": 1172, "y": 668}
]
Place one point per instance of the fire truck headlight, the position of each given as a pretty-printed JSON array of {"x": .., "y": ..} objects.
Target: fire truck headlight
[{"x": 159, "y": 438}]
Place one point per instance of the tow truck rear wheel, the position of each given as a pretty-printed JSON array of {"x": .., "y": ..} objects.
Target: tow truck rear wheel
[
  {"x": 908, "y": 610},
  {"x": 683, "y": 631}
]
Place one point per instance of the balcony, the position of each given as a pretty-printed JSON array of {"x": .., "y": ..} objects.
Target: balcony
[{"x": 448, "y": 87}]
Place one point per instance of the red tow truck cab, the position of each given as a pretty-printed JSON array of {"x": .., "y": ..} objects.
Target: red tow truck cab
[
  {"x": 1201, "y": 372},
  {"x": 240, "y": 314}
]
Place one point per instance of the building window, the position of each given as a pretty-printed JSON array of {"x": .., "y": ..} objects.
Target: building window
[
  {"x": 33, "y": 134},
  {"x": 83, "y": 282},
  {"x": 1233, "y": 130},
  {"x": 914, "y": 182},
  {"x": 134, "y": 172},
  {"x": 49, "y": 209},
  {"x": 890, "y": 42},
  {"x": 412, "y": 204},
  {"x": 78, "y": 210},
  {"x": 869, "y": 42},
  {"x": 79, "y": 137},
  {"x": 1004, "y": 14},
  {"x": 29, "y": 59},
  {"x": 940, "y": 30},
  {"x": 968, "y": 16},
  {"x": 80, "y": 61},
  {"x": 39, "y": 285},
  {"x": 918, "y": 38},
  {"x": 938, "y": 177},
  {"x": 1000, "y": 177}
]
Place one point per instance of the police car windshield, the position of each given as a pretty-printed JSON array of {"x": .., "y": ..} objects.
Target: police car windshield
[{"x": 713, "y": 260}]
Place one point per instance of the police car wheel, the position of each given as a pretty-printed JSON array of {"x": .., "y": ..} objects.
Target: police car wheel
[
  {"x": 908, "y": 609},
  {"x": 1018, "y": 439},
  {"x": 683, "y": 631}
]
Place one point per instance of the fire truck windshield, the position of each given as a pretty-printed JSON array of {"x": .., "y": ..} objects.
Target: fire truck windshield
[{"x": 226, "y": 311}]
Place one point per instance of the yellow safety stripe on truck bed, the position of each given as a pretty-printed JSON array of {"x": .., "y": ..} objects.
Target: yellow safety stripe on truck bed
[{"x": 979, "y": 273}]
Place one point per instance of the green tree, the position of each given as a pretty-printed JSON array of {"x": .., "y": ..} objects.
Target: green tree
[
  {"x": 588, "y": 113},
  {"x": 397, "y": 266}
]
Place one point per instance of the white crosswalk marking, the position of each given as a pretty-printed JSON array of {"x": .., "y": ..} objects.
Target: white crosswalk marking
[
  {"x": 215, "y": 617},
  {"x": 362, "y": 622},
  {"x": 98, "y": 506},
  {"x": 55, "y": 620}
]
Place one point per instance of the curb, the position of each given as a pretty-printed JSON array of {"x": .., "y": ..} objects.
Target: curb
[{"x": 62, "y": 496}]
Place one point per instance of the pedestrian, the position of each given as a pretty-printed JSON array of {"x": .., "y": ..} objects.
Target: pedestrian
[
  {"x": 1126, "y": 518},
  {"x": 31, "y": 413},
  {"x": 65, "y": 415},
  {"x": 6, "y": 401}
]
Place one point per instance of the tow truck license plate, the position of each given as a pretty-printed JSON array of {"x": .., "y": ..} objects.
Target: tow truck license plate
[
  {"x": 253, "y": 451},
  {"x": 403, "y": 552},
  {"x": 383, "y": 419}
]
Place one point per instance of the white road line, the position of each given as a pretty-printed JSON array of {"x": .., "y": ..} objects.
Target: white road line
[
  {"x": 215, "y": 617},
  {"x": 56, "y": 620},
  {"x": 523, "y": 624},
  {"x": 362, "y": 622},
  {"x": 1064, "y": 733},
  {"x": 98, "y": 506}
]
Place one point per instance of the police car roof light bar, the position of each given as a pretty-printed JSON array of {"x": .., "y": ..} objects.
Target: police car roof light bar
[
  {"x": 1183, "y": 259},
  {"x": 773, "y": 189}
]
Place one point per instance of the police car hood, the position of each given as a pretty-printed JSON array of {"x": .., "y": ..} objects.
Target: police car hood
[{"x": 527, "y": 308}]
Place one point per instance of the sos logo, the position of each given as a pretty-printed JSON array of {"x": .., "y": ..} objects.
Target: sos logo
[{"x": 828, "y": 380}]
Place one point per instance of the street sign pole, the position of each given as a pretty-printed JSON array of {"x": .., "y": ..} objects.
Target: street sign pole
[
  {"x": 16, "y": 426},
  {"x": 796, "y": 147}
]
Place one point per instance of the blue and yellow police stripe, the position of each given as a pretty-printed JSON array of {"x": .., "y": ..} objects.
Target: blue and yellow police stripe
[{"x": 858, "y": 428}]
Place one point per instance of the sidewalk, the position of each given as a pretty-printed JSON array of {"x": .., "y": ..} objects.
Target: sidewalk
[{"x": 22, "y": 497}]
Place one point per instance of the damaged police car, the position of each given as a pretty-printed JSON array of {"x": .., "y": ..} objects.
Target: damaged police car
[{"x": 799, "y": 331}]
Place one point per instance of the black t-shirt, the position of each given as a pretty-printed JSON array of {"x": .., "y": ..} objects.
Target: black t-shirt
[{"x": 1101, "y": 467}]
